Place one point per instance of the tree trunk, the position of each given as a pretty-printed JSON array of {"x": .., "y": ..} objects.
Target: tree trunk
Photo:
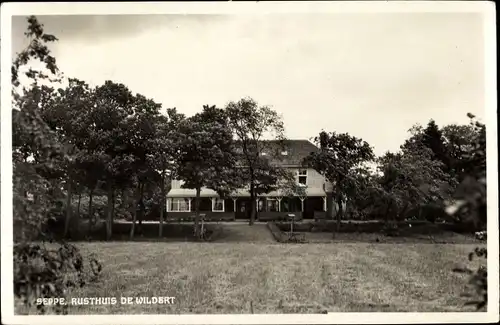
[
  {"x": 79, "y": 201},
  {"x": 109, "y": 218},
  {"x": 387, "y": 211},
  {"x": 142, "y": 210},
  {"x": 197, "y": 214},
  {"x": 113, "y": 209},
  {"x": 253, "y": 204},
  {"x": 134, "y": 211},
  {"x": 162, "y": 204},
  {"x": 339, "y": 215},
  {"x": 123, "y": 203},
  {"x": 329, "y": 206},
  {"x": 68, "y": 208},
  {"x": 403, "y": 212},
  {"x": 91, "y": 217}
]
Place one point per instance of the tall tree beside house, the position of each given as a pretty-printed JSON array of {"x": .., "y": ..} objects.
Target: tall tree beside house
[
  {"x": 67, "y": 117},
  {"x": 205, "y": 156},
  {"x": 140, "y": 130},
  {"x": 339, "y": 159},
  {"x": 164, "y": 159},
  {"x": 107, "y": 119},
  {"x": 251, "y": 124}
]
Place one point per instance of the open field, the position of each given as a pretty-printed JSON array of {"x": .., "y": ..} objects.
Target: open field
[{"x": 275, "y": 278}]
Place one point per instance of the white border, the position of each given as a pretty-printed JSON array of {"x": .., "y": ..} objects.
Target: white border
[{"x": 487, "y": 9}]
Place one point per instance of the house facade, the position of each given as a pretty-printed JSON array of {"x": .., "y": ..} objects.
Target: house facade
[{"x": 274, "y": 205}]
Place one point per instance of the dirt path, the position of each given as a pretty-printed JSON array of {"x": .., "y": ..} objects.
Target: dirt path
[{"x": 257, "y": 233}]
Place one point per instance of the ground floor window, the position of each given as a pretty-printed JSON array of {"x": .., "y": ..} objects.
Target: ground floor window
[
  {"x": 179, "y": 205},
  {"x": 260, "y": 205},
  {"x": 272, "y": 205},
  {"x": 217, "y": 205}
]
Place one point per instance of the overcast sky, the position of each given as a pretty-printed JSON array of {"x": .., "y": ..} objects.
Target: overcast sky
[{"x": 372, "y": 75}]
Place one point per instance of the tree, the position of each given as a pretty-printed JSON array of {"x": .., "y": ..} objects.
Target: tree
[
  {"x": 459, "y": 140},
  {"x": 470, "y": 201},
  {"x": 206, "y": 156},
  {"x": 65, "y": 118},
  {"x": 113, "y": 106},
  {"x": 412, "y": 178},
  {"x": 36, "y": 149},
  {"x": 250, "y": 123},
  {"x": 165, "y": 144},
  {"x": 339, "y": 159},
  {"x": 139, "y": 130},
  {"x": 433, "y": 139},
  {"x": 39, "y": 272}
]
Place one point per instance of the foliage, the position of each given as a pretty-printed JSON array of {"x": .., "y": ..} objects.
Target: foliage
[
  {"x": 410, "y": 180},
  {"x": 42, "y": 272},
  {"x": 205, "y": 155},
  {"x": 433, "y": 139},
  {"x": 36, "y": 50},
  {"x": 250, "y": 124},
  {"x": 470, "y": 202},
  {"x": 39, "y": 156},
  {"x": 341, "y": 160},
  {"x": 478, "y": 281}
]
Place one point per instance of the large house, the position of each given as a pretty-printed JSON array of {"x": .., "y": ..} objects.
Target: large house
[{"x": 311, "y": 203}]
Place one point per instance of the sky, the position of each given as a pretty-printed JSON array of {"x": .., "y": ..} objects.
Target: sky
[{"x": 373, "y": 75}]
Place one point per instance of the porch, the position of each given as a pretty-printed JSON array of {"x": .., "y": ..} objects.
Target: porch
[{"x": 239, "y": 208}]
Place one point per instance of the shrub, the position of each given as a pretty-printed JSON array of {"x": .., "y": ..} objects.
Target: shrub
[
  {"x": 41, "y": 272},
  {"x": 478, "y": 281},
  {"x": 214, "y": 233},
  {"x": 481, "y": 235}
]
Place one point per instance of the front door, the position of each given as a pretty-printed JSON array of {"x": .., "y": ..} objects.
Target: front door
[{"x": 242, "y": 209}]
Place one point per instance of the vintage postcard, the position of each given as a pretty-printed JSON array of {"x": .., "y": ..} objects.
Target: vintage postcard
[{"x": 249, "y": 162}]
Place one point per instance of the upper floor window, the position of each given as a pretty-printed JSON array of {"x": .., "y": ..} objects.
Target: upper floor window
[
  {"x": 302, "y": 176},
  {"x": 263, "y": 154},
  {"x": 284, "y": 153}
]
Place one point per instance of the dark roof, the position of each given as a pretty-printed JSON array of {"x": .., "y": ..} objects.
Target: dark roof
[{"x": 296, "y": 150}]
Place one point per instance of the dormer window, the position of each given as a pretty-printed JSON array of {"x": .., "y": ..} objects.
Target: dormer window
[{"x": 302, "y": 177}]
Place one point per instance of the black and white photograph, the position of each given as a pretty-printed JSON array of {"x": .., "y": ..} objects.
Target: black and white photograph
[{"x": 249, "y": 163}]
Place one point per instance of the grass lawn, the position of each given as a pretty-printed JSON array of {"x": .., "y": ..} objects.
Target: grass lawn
[{"x": 275, "y": 278}]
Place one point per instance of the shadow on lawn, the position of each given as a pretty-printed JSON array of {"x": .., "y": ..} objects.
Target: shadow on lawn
[{"x": 143, "y": 233}]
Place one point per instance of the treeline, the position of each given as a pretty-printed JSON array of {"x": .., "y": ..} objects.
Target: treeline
[{"x": 79, "y": 140}]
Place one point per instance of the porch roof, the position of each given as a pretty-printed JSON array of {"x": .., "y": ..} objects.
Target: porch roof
[{"x": 186, "y": 192}]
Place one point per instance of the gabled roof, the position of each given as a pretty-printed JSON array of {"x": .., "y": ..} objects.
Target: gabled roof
[{"x": 296, "y": 151}]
